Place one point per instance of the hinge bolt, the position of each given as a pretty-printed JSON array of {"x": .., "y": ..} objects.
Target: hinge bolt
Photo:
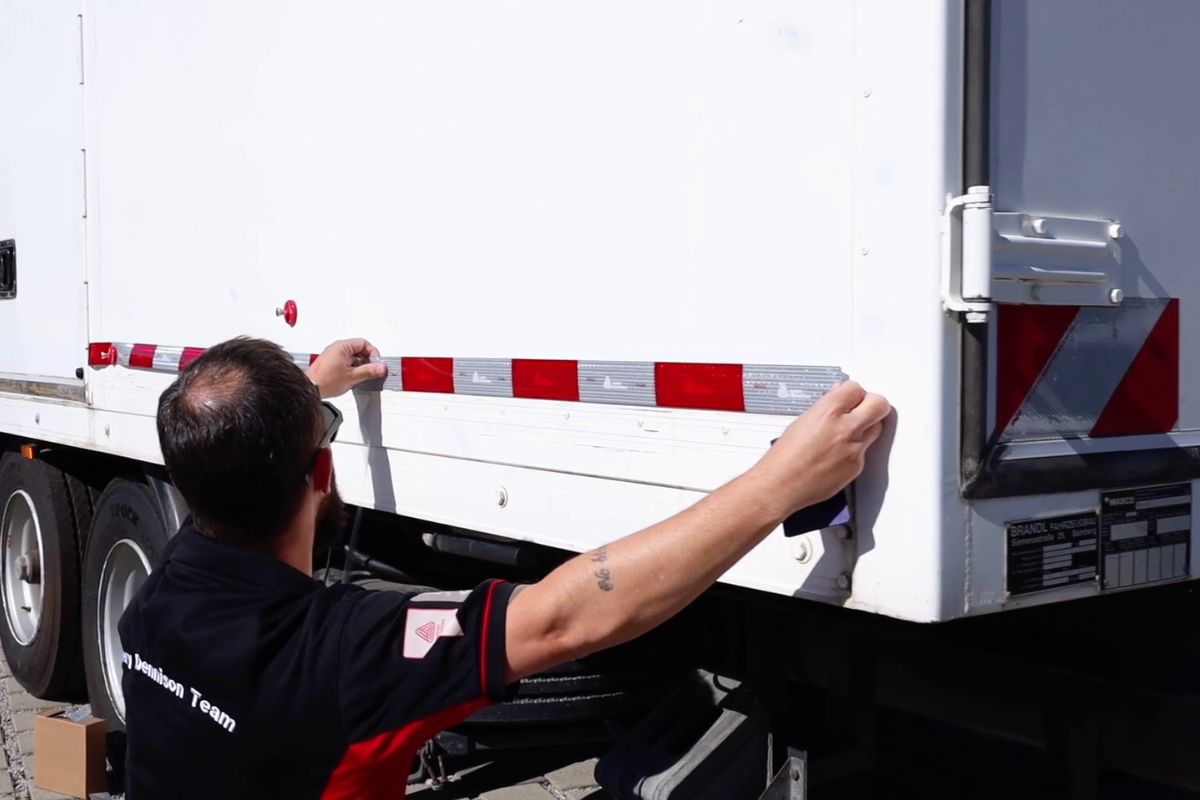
[
  {"x": 843, "y": 581},
  {"x": 1115, "y": 230},
  {"x": 1039, "y": 226},
  {"x": 1116, "y": 296}
]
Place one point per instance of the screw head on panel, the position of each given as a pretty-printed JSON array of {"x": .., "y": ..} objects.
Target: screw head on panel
[
  {"x": 843, "y": 581},
  {"x": 804, "y": 551},
  {"x": 1039, "y": 226},
  {"x": 1115, "y": 230},
  {"x": 1116, "y": 296}
]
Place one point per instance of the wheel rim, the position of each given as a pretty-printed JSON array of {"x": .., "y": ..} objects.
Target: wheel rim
[
  {"x": 126, "y": 568},
  {"x": 22, "y": 589}
]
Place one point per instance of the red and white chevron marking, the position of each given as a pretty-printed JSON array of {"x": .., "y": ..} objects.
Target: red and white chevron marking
[
  {"x": 755, "y": 388},
  {"x": 1065, "y": 371}
]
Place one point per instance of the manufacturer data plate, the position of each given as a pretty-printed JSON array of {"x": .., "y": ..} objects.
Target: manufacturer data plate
[
  {"x": 1052, "y": 552},
  {"x": 1145, "y": 535}
]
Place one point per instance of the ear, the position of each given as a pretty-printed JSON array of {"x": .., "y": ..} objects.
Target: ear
[{"x": 322, "y": 474}]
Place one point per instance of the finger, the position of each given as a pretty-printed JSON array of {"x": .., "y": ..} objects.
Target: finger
[
  {"x": 873, "y": 409},
  {"x": 845, "y": 396},
  {"x": 872, "y": 434},
  {"x": 355, "y": 347},
  {"x": 368, "y": 372}
]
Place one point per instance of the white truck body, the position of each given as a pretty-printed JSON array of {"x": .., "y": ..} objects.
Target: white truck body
[{"x": 755, "y": 184}]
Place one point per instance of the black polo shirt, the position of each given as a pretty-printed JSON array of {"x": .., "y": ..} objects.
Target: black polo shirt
[{"x": 245, "y": 678}]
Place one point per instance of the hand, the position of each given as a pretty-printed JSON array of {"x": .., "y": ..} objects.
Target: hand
[
  {"x": 344, "y": 365},
  {"x": 824, "y": 449}
]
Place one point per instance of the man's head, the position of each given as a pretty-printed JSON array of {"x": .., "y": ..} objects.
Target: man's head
[{"x": 242, "y": 432}]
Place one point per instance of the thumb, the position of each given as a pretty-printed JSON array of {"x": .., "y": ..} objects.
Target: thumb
[{"x": 368, "y": 372}]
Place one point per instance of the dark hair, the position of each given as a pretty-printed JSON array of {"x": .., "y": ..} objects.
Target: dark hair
[{"x": 237, "y": 430}]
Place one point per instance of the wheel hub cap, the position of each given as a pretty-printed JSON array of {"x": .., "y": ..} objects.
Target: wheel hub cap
[
  {"x": 20, "y": 567},
  {"x": 125, "y": 569}
]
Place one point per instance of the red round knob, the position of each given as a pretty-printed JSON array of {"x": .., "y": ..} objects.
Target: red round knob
[{"x": 288, "y": 312}]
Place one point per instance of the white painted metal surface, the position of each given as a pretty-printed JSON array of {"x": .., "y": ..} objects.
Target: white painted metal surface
[
  {"x": 756, "y": 182},
  {"x": 43, "y": 328}
]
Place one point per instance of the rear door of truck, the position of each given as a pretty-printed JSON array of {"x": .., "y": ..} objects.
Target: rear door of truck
[
  {"x": 42, "y": 283},
  {"x": 1081, "y": 416}
]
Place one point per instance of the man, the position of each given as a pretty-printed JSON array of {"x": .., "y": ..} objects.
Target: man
[{"x": 247, "y": 678}]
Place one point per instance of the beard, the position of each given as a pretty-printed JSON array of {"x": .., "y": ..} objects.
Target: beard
[{"x": 331, "y": 521}]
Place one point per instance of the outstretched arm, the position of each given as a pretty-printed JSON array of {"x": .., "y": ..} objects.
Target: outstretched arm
[{"x": 619, "y": 591}]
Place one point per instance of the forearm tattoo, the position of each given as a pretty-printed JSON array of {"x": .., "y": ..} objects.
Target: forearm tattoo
[{"x": 603, "y": 574}]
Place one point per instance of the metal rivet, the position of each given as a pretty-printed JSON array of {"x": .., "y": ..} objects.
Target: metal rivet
[
  {"x": 502, "y": 497},
  {"x": 795, "y": 775},
  {"x": 1115, "y": 230},
  {"x": 107, "y": 430},
  {"x": 867, "y": 92},
  {"x": 865, "y": 251},
  {"x": 37, "y": 419},
  {"x": 1038, "y": 226},
  {"x": 1116, "y": 296},
  {"x": 843, "y": 531},
  {"x": 843, "y": 581}
]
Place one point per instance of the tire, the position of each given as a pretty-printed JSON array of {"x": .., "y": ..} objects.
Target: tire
[
  {"x": 40, "y": 631},
  {"x": 127, "y": 539}
]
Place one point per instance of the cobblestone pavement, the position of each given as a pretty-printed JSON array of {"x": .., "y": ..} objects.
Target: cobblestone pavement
[
  {"x": 17, "y": 710},
  {"x": 544, "y": 774}
]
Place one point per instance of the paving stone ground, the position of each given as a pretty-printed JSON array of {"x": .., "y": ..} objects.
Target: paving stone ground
[{"x": 541, "y": 774}]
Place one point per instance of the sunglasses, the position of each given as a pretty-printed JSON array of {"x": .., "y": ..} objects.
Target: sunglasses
[{"x": 333, "y": 421}]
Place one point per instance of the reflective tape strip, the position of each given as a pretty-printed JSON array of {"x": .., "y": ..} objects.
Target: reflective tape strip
[
  {"x": 1080, "y": 376},
  {"x": 166, "y": 359},
  {"x": 485, "y": 377},
  {"x": 625, "y": 383},
  {"x": 787, "y": 390},
  {"x": 141, "y": 356},
  {"x": 124, "y": 351},
  {"x": 760, "y": 389},
  {"x": 394, "y": 382}
]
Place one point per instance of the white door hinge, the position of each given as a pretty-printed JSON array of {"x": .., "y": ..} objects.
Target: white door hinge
[
  {"x": 993, "y": 256},
  {"x": 967, "y": 253}
]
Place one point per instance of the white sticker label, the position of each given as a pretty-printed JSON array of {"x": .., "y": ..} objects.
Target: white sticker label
[{"x": 424, "y": 626}]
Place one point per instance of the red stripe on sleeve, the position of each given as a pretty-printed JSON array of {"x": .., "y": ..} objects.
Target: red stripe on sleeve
[
  {"x": 377, "y": 767},
  {"x": 483, "y": 644}
]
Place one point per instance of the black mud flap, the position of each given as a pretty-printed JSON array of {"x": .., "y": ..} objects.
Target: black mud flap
[{"x": 708, "y": 740}]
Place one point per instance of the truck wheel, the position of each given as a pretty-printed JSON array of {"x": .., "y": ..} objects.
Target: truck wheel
[
  {"x": 39, "y": 577},
  {"x": 128, "y": 537}
]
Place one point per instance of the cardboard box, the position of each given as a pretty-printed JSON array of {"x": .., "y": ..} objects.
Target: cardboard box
[{"x": 68, "y": 755}]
